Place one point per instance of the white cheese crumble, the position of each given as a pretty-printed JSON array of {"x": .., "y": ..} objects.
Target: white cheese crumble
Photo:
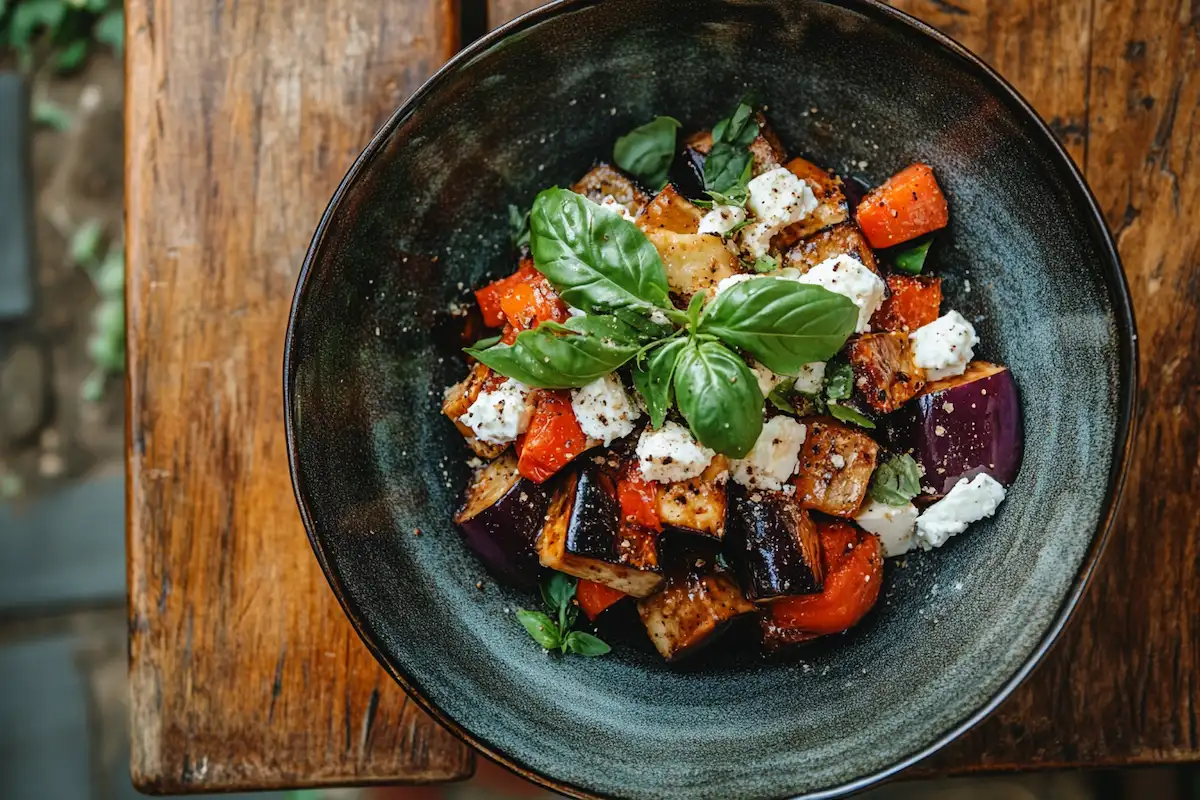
[
  {"x": 767, "y": 380},
  {"x": 943, "y": 347},
  {"x": 777, "y": 199},
  {"x": 848, "y": 277},
  {"x": 775, "y": 456},
  {"x": 604, "y": 410},
  {"x": 811, "y": 378},
  {"x": 659, "y": 318},
  {"x": 733, "y": 280},
  {"x": 967, "y": 502},
  {"x": 499, "y": 416},
  {"x": 894, "y": 525},
  {"x": 611, "y": 204},
  {"x": 670, "y": 454},
  {"x": 722, "y": 219}
]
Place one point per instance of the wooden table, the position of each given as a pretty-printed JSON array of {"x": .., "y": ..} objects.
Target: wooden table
[{"x": 242, "y": 117}]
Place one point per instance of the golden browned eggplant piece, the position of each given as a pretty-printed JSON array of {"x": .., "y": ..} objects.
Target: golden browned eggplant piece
[
  {"x": 836, "y": 462},
  {"x": 772, "y": 545},
  {"x": 585, "y": 536},
  {"x": 691, "y": 612}
]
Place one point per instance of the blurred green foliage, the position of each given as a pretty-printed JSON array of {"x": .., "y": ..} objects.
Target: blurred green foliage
[
  {"x": 106, "y": 345},
  {"x": 61, "y": 33}
]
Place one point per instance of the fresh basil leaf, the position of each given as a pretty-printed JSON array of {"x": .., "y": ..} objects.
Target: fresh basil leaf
[
  {"x": 736, "y": 196},
  {"x": 912, "y": 260},
  {"x": 785, "y": 398},
  {"x": 847, "y": 414},
  {"x": 719, "y": 397},
  {"x": 724, "y": 167},
  {"x": 641, "y": 327},
  {"x": 594, "y": 258},
  {"x": 695, "y": 306},
  {"x": 740, "y": 127},
  {"x": 765, "y": 264},
  {"x": 782, "y": 323},
  {"x": 518, "y": 227},
  {"x": 553, "y": 356},
  {"x": 654, "y": 380},
  {"x": 543, "y": 629},
  {"x": 896, "y": 482},
  {"x": 484, "y": 344},
  {"x": 557, "y": 591},
  {"x": 839, "y": 380},
  {"x": 646, "y": 152},
  {"x": 585, "y": 644},
  {"x": 729, "y": 234}
]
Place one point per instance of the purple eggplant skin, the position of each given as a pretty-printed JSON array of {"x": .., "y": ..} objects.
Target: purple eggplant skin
[
  {"x": 962, "y": 427},
  {"x": 501, "y": 518},
  {"x": 772, "y": 545}
]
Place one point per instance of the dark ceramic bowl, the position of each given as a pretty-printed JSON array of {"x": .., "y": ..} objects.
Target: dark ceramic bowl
[{"x": 421, "y": 218}]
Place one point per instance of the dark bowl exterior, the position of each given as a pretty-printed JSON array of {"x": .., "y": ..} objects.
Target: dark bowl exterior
[{"x": 420, "y": 218}]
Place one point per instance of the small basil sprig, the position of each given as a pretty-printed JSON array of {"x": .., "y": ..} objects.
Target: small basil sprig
[
  {"x": 896, "y": 482},
  {"x": 604, "y": 264},
  {"x": 727, "y": 166},
  {"x": 518, "y": 227},
  {"x": 646, "y": 151},
  {"x": 839, "y": 385},
  {"x": 555, "y": 633},
  {"x": 912, "y": 260}
]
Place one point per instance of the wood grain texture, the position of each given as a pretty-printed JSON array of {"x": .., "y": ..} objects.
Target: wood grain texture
[
  {"x": 242, "y": 118},
  {"x": 1119, "y": 83}
]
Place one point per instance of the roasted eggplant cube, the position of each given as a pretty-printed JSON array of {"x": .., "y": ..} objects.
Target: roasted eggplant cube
[
  {"x": 884, "y": 371},
  {"x": 836, "y": 462},
  {"x": 840, "y": 240},
  {"x": 962, "y": 426},
  {"x": 831, "y": 204},
  {"x": 670, "y": 211},
  {"x": 459, "y": 398},
  {"x": 585, "y": 536},
  {"x": 766, "y": 151},
  {"x": 692, "y": 612},
  {"x": 772, "y": 545},
  {"x": 697, "y": 505},
  {"x": 501, "y": 518},
  {"x": 603, "y": 180}
]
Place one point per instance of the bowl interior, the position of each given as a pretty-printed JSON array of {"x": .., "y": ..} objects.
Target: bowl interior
[{"x": 423, "y": 218}]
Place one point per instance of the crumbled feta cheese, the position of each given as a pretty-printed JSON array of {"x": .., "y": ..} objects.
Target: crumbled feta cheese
[
  {"x": 943, "y": 347},
  {"x": 576, "y": 312},
  {"x": 837, "y": 460},
  {"x": 500, "y": 415},
  {"x": 811, "y": 378},
  {"x": 774, "y": 458},
  {"x": 611, "y": 204},
  {"x": 659, "y": 318},
  {"x": 670, "y": 454},
  {"x": 894, "y": 525},
  {"x": 733, "y": 280},
  {"x": 767, "y": 380},
  {"x": 777, "y": 198},
  {"x": 604, "y": 410},
  {"x": 967, "y": 502},
  {"x": 722, "y": 219},
  {"x": 848, "y": 277}
]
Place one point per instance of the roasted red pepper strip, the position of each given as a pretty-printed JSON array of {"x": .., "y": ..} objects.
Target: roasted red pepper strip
[
  {"x": 853, "y": 575},
  {"x": 913, "y": 303},
  {"x": 595, "y": 598},
  {"x": 909, "y": 205},
  {"x": 638, "y": 497},
  {"x": 553, "y": 439},
  {"x": 521, "y": 300}
]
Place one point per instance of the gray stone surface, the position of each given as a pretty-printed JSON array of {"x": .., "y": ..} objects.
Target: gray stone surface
[{"x": 65, "y": 549}]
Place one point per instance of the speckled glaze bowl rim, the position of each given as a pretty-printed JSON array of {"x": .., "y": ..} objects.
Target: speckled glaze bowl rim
[{"x": 1085, "y": 203}]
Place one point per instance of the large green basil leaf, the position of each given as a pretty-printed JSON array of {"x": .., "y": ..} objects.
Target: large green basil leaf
[
  {"x": 646, "y": 152},
  {"x": 553, "y": 356},
  {"x": 595, "y": 259},
  {"x": 719, "y": 397},
  {"x": 653, "y": 379},
  {"x": 782, "y": 323},
  {"x": 727, "y": 165}
]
